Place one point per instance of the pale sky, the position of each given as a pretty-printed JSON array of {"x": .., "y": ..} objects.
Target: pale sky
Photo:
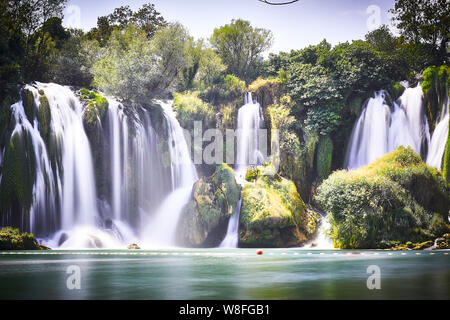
[{"x": 294, "y": 26}]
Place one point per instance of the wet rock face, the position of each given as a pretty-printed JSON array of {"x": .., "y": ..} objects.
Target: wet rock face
[
  {"x": 273, "y": 214},
  {"x": 204, "y": 219}
]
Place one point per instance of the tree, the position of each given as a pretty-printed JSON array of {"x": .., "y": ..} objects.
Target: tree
[
  {"x": 424, "y": 21},
  {"x": 241, "y": 46},
  {"x": 71, "y": 65},
  {"x": 211, "y": 66},
  {"x": 382, "y": 39},
  {"x": 134, "y": 68},
  {"x": 146, "y": 18}
]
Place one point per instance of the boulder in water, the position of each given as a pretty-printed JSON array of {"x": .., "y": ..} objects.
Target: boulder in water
[
  {"x": 133, "y": 246},
  {"x": 63, "y": 238},
  {"x": 273, "y": 214},
  {"x": 203, "y": 222}
]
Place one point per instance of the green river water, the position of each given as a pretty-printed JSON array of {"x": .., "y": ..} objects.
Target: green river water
[{"x": 224, "y": 274}]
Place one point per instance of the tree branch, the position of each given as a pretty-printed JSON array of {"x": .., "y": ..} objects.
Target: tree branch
[{"x": 277, "y": 3}]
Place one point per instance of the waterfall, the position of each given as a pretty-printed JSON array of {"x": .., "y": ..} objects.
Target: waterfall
[
  {"x": 231, "y": 239},
  {"x": 161, "y": 229},
  {"x": 136, "y": 183},
  {"x": 380, "y": 130},
  {"x": 249, "y": 122},
  {"x": 43, "y": 209},
  {"x": 439, "y": 139}
]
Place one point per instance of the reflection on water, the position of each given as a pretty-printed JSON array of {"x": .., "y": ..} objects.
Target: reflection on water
[{"x": 225, "y": 274}]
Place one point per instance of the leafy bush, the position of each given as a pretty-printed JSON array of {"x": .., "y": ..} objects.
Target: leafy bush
[
  {"x": 12, "y": 239},
  {"x": 397, "y": 198}
]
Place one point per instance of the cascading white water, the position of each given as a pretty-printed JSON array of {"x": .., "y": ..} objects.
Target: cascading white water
[
  {"x": 79, "y": 197},
  {"x": 379, "y": 130},
  {"x": 439, "y": 139},
  {"x": 43, "y": 209},
  {"x": 162, "y": 225},
  {"x": 249, "y": 123},
  {"x": 115, "y": 118},
  {"x": 231, "y": 239}
]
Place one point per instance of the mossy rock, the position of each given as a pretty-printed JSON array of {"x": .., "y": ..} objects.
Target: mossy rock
[
  {"x": 44, "y": 117},
  {"x": 204, "y": 220},
  {"x": 435, "y": 87},
  {"x": 28, "y": 104},
  {"x": 13, "y": 239},
  {"x": 272, "y": 214},
  {"x": 396, "y": 198},
  {"x": 396, "y": 90},
  {"x": 18, "y": 173},
  {"x": 446, "y": 161},
  {"x": 267, "y": 91},
  {"x": 5, "y": 118},
  {"x": 324, "y": 157}
]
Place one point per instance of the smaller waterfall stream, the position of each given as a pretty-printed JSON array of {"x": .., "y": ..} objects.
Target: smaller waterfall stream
[
  {"x": 162, "y": 225},
  {"x": 249, "y": 122},
  {"x": 381, "y": 129},
  {"x": 439, "y": 139}
]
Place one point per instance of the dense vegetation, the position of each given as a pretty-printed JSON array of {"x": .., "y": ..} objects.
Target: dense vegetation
[{"x": 311, "y": 96}]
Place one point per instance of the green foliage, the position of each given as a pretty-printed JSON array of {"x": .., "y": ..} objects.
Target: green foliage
[
  {"x": 446, "y": 165},
  {"x": 396, "y": 90},
  {"x": 226, "y": 90},
  {"x": 211, "y": 67},
  {"x": 324, "y": 157},
  {"x": 252, "y": 174},
  {"x": 71, "y": 65},
  {"x": 190, "y": 108},
  {"x": 96, "y": 107},
  {"x": 13, "y": 239},
  {"x": 28, "y": 104},
  {"x": 425, "y": 22},
  {"x": 134, "y": 69},
  {"x": 146, "y": 18},
  {"x": 16, "y": 187},
  {"x": 214, "y": 200},
  {"x": 272, "y": 214},
  {"x": 435, "y": 87},
  {"x": 44, "y": 118},
  {"x": 397, "y": 198},
  {"x": 267, "y": 91},
  {"x": 241, "y": 47}
]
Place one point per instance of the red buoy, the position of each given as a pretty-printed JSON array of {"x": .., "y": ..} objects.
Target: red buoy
[{"x": 259, "y": 252}]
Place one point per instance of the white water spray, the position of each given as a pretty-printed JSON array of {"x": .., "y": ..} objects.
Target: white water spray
[{"x": 250, "y": 122}]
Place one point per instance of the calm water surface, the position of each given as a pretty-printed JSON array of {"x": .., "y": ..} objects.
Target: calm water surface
[{"x": 224, "y": 274}]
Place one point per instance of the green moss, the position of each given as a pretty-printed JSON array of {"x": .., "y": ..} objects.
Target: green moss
[
  {"x": 16, "y": 186},
  {"x": 267, "y": 91},
  {"x": 435, "y": 87},
  {"x": 252, "y": 174},
  {"x": 190, "y": 108},
  {"x": 446, "y": 165},
  {"x": 396, "y": 90},
  {"x": 13, "y": 239},
  {"x": 96, "y": 107},
  {"x": 28, "y": 104},
  {"x": 272, "y": 214},
  {"x": 397, "y": 198},
  {"x": 214, "y": 200},
  {"x": 324, "y": 157},
  {"x": 5, "y": 117},
  {"x": 44, "y": 117}
]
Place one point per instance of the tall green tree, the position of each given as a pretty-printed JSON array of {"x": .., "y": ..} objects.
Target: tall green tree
[
  {"x": 146, "y": 18},
  {"x": 134, "y": 68},
  {"x": 425, "y": 22},
  {"x": 241, "y": 46}
]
